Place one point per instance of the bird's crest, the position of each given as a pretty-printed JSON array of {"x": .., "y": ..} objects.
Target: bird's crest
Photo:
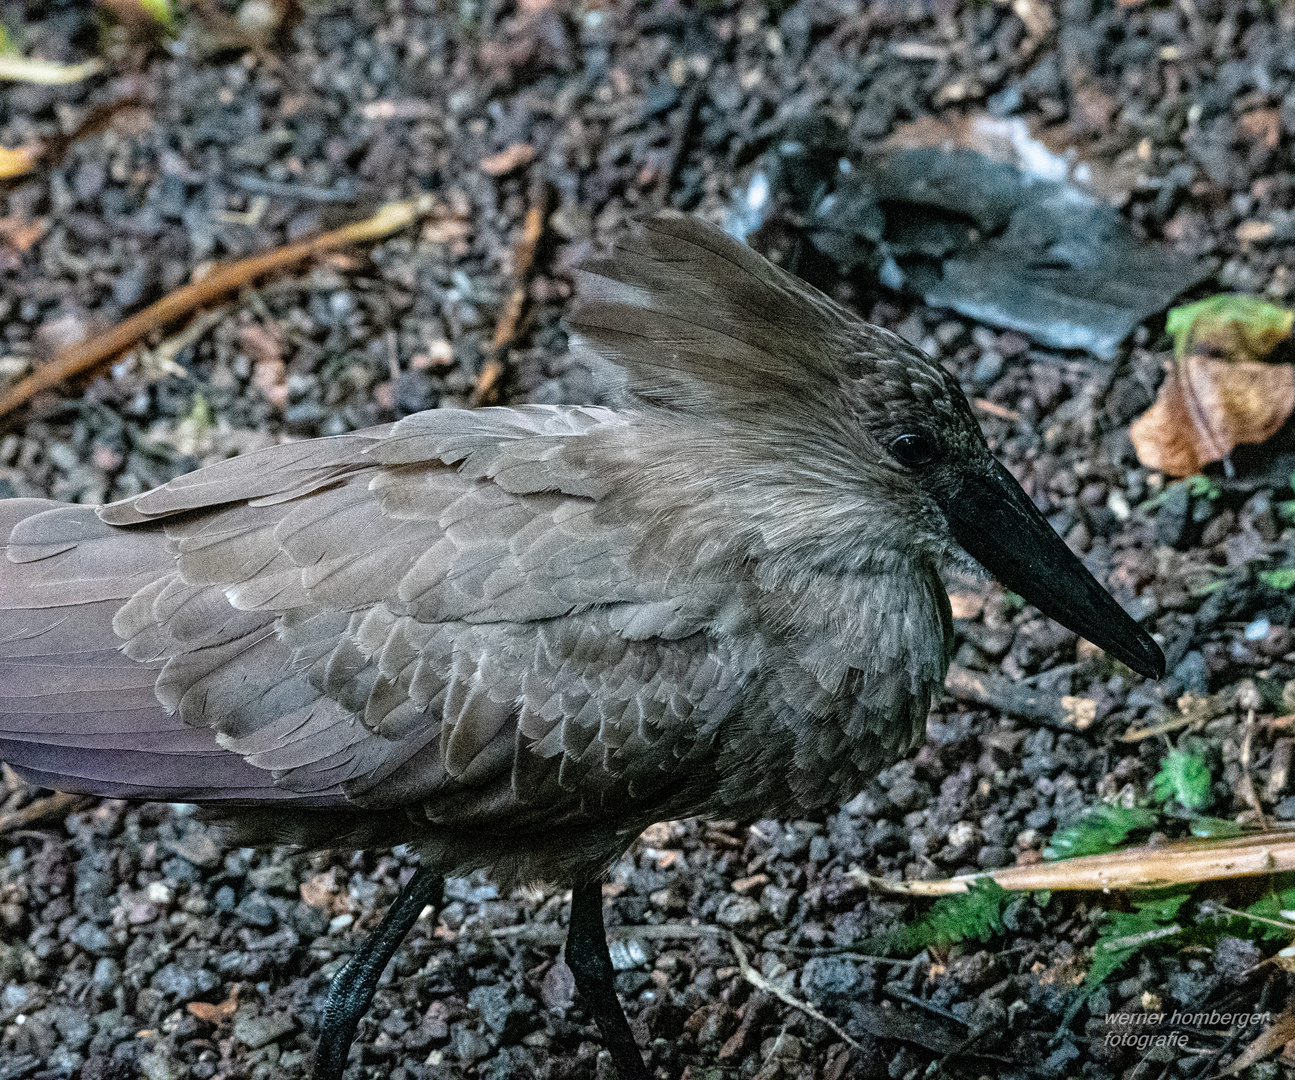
[{"x": 696, "y": 318}]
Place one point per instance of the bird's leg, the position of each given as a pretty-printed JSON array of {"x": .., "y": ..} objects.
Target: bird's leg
[
  {"x": 591, "y": 964},
  {"x": 352, "y": 991}
]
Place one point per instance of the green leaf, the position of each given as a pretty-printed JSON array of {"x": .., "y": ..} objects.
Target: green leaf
[
  {"x": 1250, "y": 325},
  {"x": 975, "y": 915},
  {"x": 200, "y": 418},
  {"x": 1213, "y": 828},
  {"x": 1271, "y": 906},
  {"x": 1283, "y": 578},
  {"x": 1183, "y": 776},
  {"x": 161, "y": 13},
  {"x": 1103, "y": 828},
  {"x": 1202, "y": 487},
  {"x": 1126, "y": 933},
  {"x": 1286, "y": 510}
]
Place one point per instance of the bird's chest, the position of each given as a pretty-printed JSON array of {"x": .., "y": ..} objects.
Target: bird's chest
[{"x": 837, "y": 693}]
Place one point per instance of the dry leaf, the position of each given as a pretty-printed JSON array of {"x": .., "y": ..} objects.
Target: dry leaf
[
  {"x": 318, "y": 890},
  {"x": 1219, "y": 394},
  {"x": 19, "y": 161},
  {"x": 506, "y": 161},
  {"x": 261, "y": 344}
]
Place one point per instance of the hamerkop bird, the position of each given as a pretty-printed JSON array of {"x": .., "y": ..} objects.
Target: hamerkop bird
[{"x": 516, "y": 637}]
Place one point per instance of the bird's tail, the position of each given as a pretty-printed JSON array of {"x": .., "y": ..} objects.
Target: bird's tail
[{"x": 76, "y": 713}]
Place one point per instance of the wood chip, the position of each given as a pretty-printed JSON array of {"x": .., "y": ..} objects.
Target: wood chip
[
  {"x": 992, "y": 408},
  {"x": 16, "y": 162},
  {"x": 514, "y": 157},
  {"x": 216, "y": 1014}
]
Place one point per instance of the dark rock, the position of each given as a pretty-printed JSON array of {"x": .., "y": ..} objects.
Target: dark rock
[{"x": 826, "y": 977}]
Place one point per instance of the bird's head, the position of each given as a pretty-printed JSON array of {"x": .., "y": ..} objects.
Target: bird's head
[{"x": 854, "y": 444}]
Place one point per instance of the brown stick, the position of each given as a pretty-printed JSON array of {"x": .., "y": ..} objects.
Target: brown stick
[
  {"x": 224, "y": 279},
  {"x": 1180, "y": 863},
  {"x": 49, "y": 806},
  {"x": 1063, "y": 712},
  {"x": 512, "y": 318}
]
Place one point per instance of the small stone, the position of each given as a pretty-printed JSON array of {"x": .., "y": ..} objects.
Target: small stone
[
  {"x": 160, "y": 893},
  {"x": 826, "y": 977},
  {"x": 737, "y": 911},
  {"x": 139, "y": 912},
  {"x": 988, "y": 368},
  {"x": 558, "y": 990},
  {"x": 254, "y": 1030},
  {"x": 175, "y": 981},
  {"x": 255, "y": 909},
  {"x": 1234, "y": 957},
  {"x": 195, "y": 845},
  {"x": 467, "y": 1044},
  {"x": 91, "y": 938}
]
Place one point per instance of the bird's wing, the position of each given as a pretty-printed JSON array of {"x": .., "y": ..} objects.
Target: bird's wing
[{"x": 428, "y": 611}]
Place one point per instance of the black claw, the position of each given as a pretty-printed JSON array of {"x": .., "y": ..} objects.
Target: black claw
[
  {"x": 591, "y": 964},
  {"x": 352, "y": 991}
]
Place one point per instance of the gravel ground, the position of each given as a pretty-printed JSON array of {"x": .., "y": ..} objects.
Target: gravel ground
[{"x": 115, "y": 922}]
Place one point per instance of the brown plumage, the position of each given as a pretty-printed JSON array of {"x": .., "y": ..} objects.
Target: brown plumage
[{"x": 517, "y": 637}]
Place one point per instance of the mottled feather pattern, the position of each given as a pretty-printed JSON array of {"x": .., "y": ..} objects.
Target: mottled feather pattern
[{"x": 468, "y": 624}]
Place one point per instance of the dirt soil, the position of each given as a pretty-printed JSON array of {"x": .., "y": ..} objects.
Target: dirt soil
[{"x": 117, "y": 920}]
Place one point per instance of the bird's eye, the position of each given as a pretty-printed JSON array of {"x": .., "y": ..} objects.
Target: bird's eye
[{"x": 913, "y": 451}]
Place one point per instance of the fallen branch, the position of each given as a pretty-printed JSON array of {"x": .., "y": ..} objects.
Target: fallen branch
[
  {"x": 1065, "y": 712},
  {"x": 48, "y": 806},
  {"x": 1182, "y": 863},
  {"x": 222, "y": 280},
  {"x": 512, "y": 319}
]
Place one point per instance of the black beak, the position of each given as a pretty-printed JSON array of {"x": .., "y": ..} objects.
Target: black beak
[{"x": 998, "y": 526}]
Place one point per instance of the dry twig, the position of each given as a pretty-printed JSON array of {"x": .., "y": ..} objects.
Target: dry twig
[
  {"x": 512, "y": 319},
  {"x": 1273, "y": 1037},
  {"x": 1133, "y": 868},
  {"x": 222, "y": 280},
  {"x": 761, "y": 983},
  {"x": 60, "y": 803},
  {"x": 46, "y": 72},
  {"x": 1064, "y": 712},
  {"x": 1247, "y": 782}
]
